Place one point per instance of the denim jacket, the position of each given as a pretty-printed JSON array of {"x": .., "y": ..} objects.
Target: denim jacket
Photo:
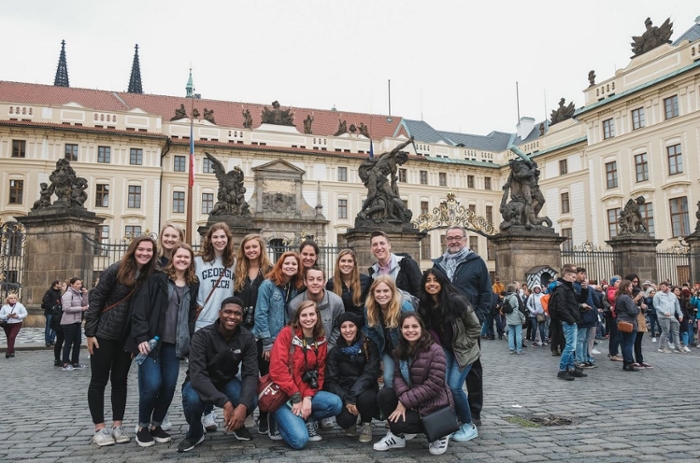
[
  {"x": 376, "y": 333},
  {"x": 270, "y": 312}
]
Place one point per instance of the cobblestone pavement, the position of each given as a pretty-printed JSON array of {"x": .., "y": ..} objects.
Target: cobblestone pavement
[{"x": 618, "y": 417}]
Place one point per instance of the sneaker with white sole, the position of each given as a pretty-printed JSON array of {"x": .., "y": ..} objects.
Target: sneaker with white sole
[
  {"x": 160, "y": 436},
  {"x": 167, "y": 425},
  {"x": 188, "y": 443},
  {"x": 439, "y": 446},
  {"x": 390, "y": 441},
  {"x": 595, "y": 352},
  {"x": 686, "y": 349},
  {"x": 144, "y": 438},
  {"x": 465, "y": 433},
  {"x": 209, "y": 422},
  {"x": 242, "y": 434},
  {"x": 103, "y": 437},
  {"x": 671, "y": 346},
  {"x": 653, "y": 339},
  {"x": 327, "y": 423},
  {"x": 68, "y": 367},
  {"x": 312, "y": 427},
  {"x": 366, "y": 433},
  {"x": 120, "y": 436}
]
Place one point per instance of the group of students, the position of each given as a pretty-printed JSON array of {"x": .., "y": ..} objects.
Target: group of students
[{"x": 327, "y": 344}]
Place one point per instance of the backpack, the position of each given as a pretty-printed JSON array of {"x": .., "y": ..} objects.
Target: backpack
[
  {"x": 507, "y": 307},
  {"x": 406, "y": 296},
  {"x": 551, "y": 307},
  {"x": 544, "y": 300},
  {"x": 57, "y": 311}
]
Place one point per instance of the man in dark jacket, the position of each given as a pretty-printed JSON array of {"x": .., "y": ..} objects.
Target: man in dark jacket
[
  {"x": 216, "y": 353},
  {"x": 469, "y": 273},
  {"x": 567, "y": 305},
  {"x": 589, "y": 317},
  {"x": 52, "y": 298},
  {"x": 404, "y": 270}
]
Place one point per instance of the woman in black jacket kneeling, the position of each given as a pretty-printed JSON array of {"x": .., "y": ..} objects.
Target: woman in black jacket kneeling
[{"x": 352, "y": 369}]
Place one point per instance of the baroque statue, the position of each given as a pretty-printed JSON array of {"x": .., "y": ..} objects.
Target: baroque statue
[
  {"x": 652, "y": 37},
  {"x": 363, "y": 129},
  {"x": 379, "y": 175},
  {"x": 591, "y": 78},
  {"x": 247, "y": 119},
  {"x": 630, "y": 220},
  {"x": 44, "y": 197},
  {"x": 277, "y": 115},
  {"x": 526, "y": 198},
  {"x": 180, "y": 113},
  {"x": 307, "y": 124},
  {"x": 70, "y": 190},
  {"x": 342, "y": 128},
  {"x": 209, "y": 115},
  {"x": 195, "y": 113},
  {"x": 562, "y": 112},
  {"x": 697, "y": 217},
  {"x": 231, "y": 196}
]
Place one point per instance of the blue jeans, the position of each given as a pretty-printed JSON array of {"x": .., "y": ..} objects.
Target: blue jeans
[
  {"x": 515, "y": 338},
  {"x": 455, "y": 380},
  {"x": 582, "y": 344},
  {"x": 292, "y": 428},
  {"x": 627, "y": 345},
  {"x": 49, "y": 334},
  {"x": 538, "y": 326},
  {"x": 193, "y": 406},
  {"x": 567, "y": 357},
  {"x": 388, "y": 362},
  {"x": 654, "y": 324},
  {"x": 157, "y": 381}
]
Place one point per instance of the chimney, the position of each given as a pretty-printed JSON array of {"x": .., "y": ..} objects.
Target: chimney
[{"x": 525, "y": 126}]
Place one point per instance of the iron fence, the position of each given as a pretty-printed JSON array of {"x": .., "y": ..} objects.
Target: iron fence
[
  {"x": 12, "y": 239},
  {"x": 676, "y": 267},
  {"x": 600, "y": 264}
]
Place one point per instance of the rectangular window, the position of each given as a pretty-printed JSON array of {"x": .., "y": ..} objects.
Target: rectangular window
[
  {"x": 19, "y": 148},
  {"x": 207, "y": 202},
  {"x": 641, "y": 167},
  {"x": 136, "y": 156},
  {"x": 470, "y": 181},
  {"x": 675, "y": 159},
  {"x": 472, "y": 208},
  {"x": 178, "y": 202},
  {"x": 423, "y": 177},
  {"x": 71, "y": 152},
  {"x": 563, "y": 167},
  {"x": 102, "y": 237},
  {"x": 16, "y": 191},
  {"x": 565, "y": 207},
  {"x": 179, "y": 163},
  {"x": 680, "y": 222},
  {"x": 567, "y": 245},
  {"x": 638, "y": 119},
  {"x": 611, "y": 174},
  {"x": 342, "y": 208},
  {"x": 101, "y": 195},
  {"x": 132, "y": 231},
  {"x": 613, "y": 215},
  {"x": 489, "y": 214},
  {"x": 425, "y": 251},
  {"x": 490, "y": 250},
  {"x": 104, "y": 154},
  {"x": 402, "y": 175},
  {"x": 443, "y": 178},
  {"x": 608, "y": 128},
  {"x": 647, "y": 212},
  {"x": 424, "y": 207},
  {"x": 474, "y": 244},
  {"x": 487, "y": 183},
  {"x": 207, "y": 166},
  {"x": 671, "y": 107},
  {"x": 134, "y": 197},
  {"x": 342, "y": 174}
]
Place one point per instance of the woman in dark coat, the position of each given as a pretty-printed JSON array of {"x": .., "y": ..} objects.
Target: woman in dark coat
[{"x": 627, "y": 311}]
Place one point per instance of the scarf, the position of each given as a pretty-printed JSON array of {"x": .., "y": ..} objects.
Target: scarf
[
  {"x": 354, "y": 350},
  {"x": 450, "y": 261}
]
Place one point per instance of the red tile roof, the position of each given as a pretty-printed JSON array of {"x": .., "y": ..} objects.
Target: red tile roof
[{"x": 226, "y": 113}]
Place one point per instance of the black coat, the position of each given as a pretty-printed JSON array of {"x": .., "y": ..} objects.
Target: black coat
[
  {"x": 115, "y": 324},
  {"x": 409, "y": 276},
  {"x": 51, "y": 298},
  {"x": 472, "y": 278},
  {"x": 347, "y": 377},
  {"x": 567, "y": 302},
  {"x": 358, "y": 310}
]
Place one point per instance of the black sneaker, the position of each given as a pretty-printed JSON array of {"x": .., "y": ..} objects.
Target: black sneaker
[
  {"x": 144, "y": 438},
  {"x": 565, "y": 376},
  {"x": 57, "y": 363},
  {"x": 242, "y": 434},
  {"x": 263, "y": 427},
  {"x": 578, "y": 373},
  {"x": 160, "y": 436},
  {"x": 188, "y": 443}
]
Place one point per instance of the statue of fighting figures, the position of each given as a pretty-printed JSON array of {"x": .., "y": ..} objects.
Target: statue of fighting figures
[
  {"x": 70, "y": 190},
  {"x": 630, "y": 220},
  {"x": 379, "y": 174},
  {"x": 231, "y": 195},
  {"x": 526, "y": 198}
]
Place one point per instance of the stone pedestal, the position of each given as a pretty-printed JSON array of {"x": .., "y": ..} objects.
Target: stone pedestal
[
  {"x": 519, "y": 250},
  {"x": 693, "y": 241},
  {"x": 55, "y": 249},
  {"x": 636, "y": 254},
  {"x": 407, "y": 242},
  {"x": 240, "y": 227}
]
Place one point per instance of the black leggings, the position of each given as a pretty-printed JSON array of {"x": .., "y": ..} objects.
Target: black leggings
[
  {"x": 264, "y": 368},
  {"x": 366, "y": 405},
  {"x": 73, "y": 335},
  {"x": 638, "y": 357},
  {"x": 109, "y": 363},
  {"x": 387, "y": 402},
  {"x": 58, "y": 347}
]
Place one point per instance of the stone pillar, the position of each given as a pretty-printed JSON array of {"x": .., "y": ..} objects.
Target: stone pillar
[
  {"x": 519, "y": 250},
  {"x": 693, "y": 241},
  {"x": 401, "y": 242},
  {"x": 55, "y": 249},
  {"x": 636, "y": 254}
]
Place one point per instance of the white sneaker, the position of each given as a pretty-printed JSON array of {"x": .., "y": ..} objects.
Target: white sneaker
[
  {"x": 653, "y": 339},
  {"x": 390, "y": 441},
  {"x": 103, "y": 437},
  {"x": 686, "y": 349},
  {"x": 209, "y": 422},
  {"x": 120, "y": 436},
  {"x": 312, "y": 428},
  {"x": 327, "y": 423},
  {"x": 465, "y": 433},
  {"x": 166, "y": 425},
  {"x": 439, "y": 446},
  {"x": 671, "y": 346},
  {"x": 595, "y": 352}
]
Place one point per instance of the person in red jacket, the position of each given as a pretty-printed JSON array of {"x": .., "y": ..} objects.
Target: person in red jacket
[{"x": 298, "y": 366}]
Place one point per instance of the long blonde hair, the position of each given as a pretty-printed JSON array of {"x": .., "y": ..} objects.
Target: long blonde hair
[
  {"x": 243, "y": 263},
  {"x": 354, "y": 278},
  {"x": 174, "y": 226},
  {"x": 374, "y": 311}
]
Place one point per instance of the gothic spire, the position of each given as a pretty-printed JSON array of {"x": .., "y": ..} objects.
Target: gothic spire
[
  {"x": 189, "y": 88},
  {"x": 135, "y": 80},
  {"x": 61, "y": 79}
]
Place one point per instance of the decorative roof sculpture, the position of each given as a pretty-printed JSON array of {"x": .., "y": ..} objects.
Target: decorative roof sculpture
[
  {"x": 653, "y": 37},
  {"x": 277, "y": 116},
  {"x": 563, "y": 112}
]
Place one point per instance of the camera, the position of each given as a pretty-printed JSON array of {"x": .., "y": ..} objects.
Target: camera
[
  {"x": 248, "y": 315},
  {"x": 311, "y": 378}
]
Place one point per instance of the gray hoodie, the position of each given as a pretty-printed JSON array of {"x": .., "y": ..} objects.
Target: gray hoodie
[{"x": 667, "y": 303}]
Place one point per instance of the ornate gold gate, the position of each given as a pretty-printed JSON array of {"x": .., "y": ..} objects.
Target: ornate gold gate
[{"x": 451, "y": 212}]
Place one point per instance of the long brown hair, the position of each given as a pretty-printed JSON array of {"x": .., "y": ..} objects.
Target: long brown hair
[
  {"x": 207, "y": 252},
  {"x": 404, "y": 350},
  {"x": 623, "y": 288},
  {"x": 318, "y": 328},
  {"x": 243, "y": 263},
  {"x": 126, "y": 275},
  {"x": 190, "y": 274},
  {"x": 354, "y": 278},
  {"x": 374, "y": 311},
  {"x": 276, "y": 273}
]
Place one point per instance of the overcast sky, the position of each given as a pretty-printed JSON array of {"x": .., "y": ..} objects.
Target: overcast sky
[{"x": 452, "y": 63}]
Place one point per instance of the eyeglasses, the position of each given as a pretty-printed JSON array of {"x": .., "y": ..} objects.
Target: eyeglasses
[{"x": 454, "y": 238}]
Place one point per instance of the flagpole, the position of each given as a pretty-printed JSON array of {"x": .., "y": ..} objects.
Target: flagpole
[{"x": 190, "y": 182}]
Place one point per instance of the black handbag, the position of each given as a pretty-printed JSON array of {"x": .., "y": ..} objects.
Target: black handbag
[{"x": 440, "y": 423}]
